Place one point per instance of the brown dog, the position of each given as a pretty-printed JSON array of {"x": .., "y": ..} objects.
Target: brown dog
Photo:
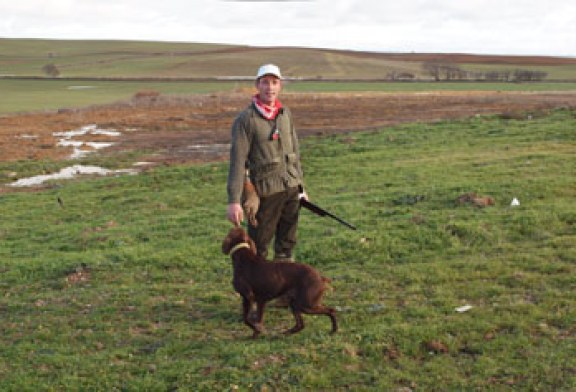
[{"x": 260, "y": 281}]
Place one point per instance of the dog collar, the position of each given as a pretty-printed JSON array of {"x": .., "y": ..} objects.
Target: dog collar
[{"x": 239, "y": 246}]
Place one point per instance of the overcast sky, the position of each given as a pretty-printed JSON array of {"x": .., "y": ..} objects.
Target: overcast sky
[{"x": 465, "y": 26}]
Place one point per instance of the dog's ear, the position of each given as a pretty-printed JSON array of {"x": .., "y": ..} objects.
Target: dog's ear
[
  {"x": 235, "y": 236},
  {"x": 227, "y": 243},
  {"x": 226, "y": 246},
  {"x": 248, "y": 240}
]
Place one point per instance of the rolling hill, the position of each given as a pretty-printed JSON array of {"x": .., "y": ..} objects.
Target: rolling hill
[{"x": 138, "y": 59}]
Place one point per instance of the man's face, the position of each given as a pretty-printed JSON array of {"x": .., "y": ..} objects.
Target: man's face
[{"x": 269, "y": 87}]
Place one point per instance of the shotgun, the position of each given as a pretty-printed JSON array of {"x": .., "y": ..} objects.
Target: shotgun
[{"x": 322, "y": 212}]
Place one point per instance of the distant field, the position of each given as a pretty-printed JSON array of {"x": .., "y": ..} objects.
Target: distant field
[
  {"x": 34, "y": 95},
  {"x": 165, "y": 59},
  {"x": 426, "y": 86},
  {"x": 134, "y": 59},
  {"x": 94, "y": 58},
  {"x": 37, "y": 95}
]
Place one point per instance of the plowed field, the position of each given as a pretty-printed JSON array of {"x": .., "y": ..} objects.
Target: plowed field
[{"x": 197, "y": 128}]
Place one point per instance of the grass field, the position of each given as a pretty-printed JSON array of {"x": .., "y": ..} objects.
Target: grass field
[
  {"x": 124, "y": 286},
  {"x": 136, "y": 59},
  {"x": 81, "y": 58},
  {"x": 95, "y": 58},
  {"x": 38, "y": 95}
]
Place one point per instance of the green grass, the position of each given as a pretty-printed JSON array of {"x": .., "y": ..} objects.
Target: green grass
[
  {"x": 91, "y": 57},
  {"x": 78, "y": 58},
  {"x": 36, "y": 95},
  {"x": 158, "y": 311}
]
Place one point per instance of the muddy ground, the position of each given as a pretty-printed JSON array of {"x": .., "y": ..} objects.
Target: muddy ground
[{"x": 174, "y": 130}]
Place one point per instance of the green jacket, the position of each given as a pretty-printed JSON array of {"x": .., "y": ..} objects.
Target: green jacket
[{"x": 273, "y": 162}]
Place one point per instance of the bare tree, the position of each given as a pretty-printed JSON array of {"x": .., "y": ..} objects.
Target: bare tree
[
  {"x": 51, "y": 70},
  {"x": 433, "y": 68},
  {"x": 526, "y": 75},
  {"x": 441, "y": 70}
]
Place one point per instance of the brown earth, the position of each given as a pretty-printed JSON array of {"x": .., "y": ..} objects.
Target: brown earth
[
  {"x": 455, "y": 58},
  {"x": 197, "y": 128}
]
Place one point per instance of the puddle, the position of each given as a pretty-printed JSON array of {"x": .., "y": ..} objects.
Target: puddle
[
  {"x": 69, "y": 173},
  {"x": 79, "y": 150},
  {"x": 27, "y": 137},
  {"x": 210, "y": 147},
  {"x": 204, "y": 149}
]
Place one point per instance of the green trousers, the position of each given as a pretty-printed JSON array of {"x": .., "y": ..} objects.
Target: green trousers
[{"x": 277, "y": 218}]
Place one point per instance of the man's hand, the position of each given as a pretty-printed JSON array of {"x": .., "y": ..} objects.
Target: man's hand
[{"x": 235, "y": 213}]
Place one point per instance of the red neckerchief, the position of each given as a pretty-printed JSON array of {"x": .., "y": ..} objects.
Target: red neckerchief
[{"x": 268, "y": 112}]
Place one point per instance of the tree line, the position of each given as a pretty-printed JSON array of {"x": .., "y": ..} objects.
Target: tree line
[
  {"x": 439, "y": 71},
  {"x": 450, "y": 72}
]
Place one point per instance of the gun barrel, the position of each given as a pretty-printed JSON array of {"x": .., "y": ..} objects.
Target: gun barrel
[{"x": 322, "y": 212}]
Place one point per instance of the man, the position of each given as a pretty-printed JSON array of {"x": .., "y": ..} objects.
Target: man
[{"x": 265, "y": 144}]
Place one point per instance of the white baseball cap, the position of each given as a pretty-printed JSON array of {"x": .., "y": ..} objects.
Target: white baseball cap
[{"x": 269, "y": 69}]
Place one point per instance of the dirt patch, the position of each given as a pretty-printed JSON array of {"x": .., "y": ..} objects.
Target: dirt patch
[{"x": 197, "y": 128}]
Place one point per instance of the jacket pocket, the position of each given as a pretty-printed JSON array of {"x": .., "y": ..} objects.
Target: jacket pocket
[
  {"x": 291, "y": 157},
  {"x": 262, "y": 171}
]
